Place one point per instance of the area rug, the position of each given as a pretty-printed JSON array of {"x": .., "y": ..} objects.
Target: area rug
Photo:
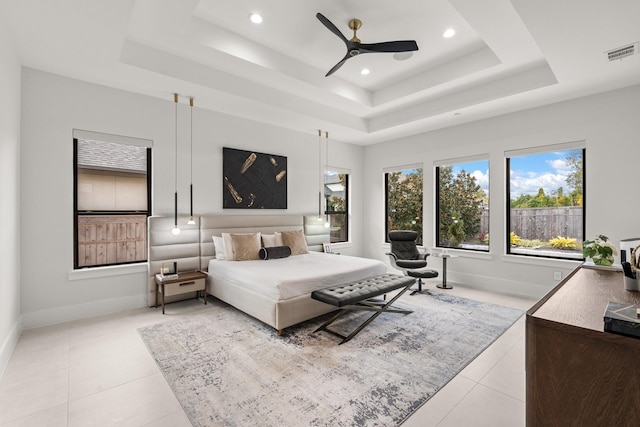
[{"x": 227, "y": 369}]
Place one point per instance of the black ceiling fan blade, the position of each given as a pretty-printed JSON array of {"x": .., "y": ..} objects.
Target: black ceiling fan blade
[
  {"x": 397, "y": 46},
  {"x": 338, "y": 65},
  {"x": 330, "y": 26}
]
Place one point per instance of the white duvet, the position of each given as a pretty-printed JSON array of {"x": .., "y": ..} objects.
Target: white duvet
[{"x": 285, "y": 278}]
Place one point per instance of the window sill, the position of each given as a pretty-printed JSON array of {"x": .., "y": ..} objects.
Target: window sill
[
  {"x": 115, "y": 270},
  {"x": 546, "y": 262},
  {"x": 461, "y": 253},
  {"x": 341, "y": 245}
]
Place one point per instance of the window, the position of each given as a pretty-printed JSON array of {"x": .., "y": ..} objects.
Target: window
[
  {"x": 403, "y": 201},
  {"x": 546, "y": 202},
  {"x": 336, "y": 194},
  {"x": 112, "y": 199},
  {"x": 462, "y": 205}
]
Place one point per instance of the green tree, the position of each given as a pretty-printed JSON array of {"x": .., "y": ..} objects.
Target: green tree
[
  {"x": 575, "y": 177},
  {"x": 540, "y": 200},
  {"x": 461, "y": 201},
  {"x": 404, "y": 201}
]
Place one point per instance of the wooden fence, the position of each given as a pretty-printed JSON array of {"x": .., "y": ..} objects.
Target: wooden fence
[
  {"x": 542, "y": 223},
  {"x": 111, "y": 239},
  {"x": 547, "y": 223}
]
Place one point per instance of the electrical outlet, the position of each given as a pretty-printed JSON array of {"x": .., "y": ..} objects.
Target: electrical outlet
[{"x": 557, "y": 275}]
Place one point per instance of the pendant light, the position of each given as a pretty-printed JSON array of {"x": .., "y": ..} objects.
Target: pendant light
[
  {"x": 191, "y": 220},
  {"x": 326, "y": 170},
  {"x": 176, "y": 229},
  {"x": 320, "y": 175}
]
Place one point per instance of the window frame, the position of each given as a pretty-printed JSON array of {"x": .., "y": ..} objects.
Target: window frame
[
  {"x": 578, "y": 145},
  {"x": 345, "y": 212},
  {"x": 452, "y": 162},
  {"x": 89, "y": 135},
  {"x": 385, "y": 177}
]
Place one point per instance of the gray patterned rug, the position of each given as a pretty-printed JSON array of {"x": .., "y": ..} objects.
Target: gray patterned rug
[{"x": 227, "y": 369}]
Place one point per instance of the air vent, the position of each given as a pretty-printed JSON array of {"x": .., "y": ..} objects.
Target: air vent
[{"x": 622, "y": 52}]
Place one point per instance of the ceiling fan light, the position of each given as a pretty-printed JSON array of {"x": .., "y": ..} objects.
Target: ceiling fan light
[
  {"x": 450, "y": 32},
  {"x": 402, "y": 56},
  {"x": 256, "y": 18}
]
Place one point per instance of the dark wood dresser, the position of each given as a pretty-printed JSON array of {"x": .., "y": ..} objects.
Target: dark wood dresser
[{"x": 577, "y": 374}]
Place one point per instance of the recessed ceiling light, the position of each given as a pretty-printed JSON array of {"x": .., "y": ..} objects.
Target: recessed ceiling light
[
  {"x": 256, "y": 18},
  {"x": 401, "y": 56},
  {"x": 450, "y": 32},
  {"x": 365, "y": 71}
]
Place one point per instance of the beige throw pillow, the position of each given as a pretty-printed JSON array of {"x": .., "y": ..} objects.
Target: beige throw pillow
[
  {"x": 296, "y": 241},
  {"x": 241, "y": 246}
]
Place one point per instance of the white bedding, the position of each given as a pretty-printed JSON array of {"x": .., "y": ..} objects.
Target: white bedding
[{"x": 281, "y": 279}]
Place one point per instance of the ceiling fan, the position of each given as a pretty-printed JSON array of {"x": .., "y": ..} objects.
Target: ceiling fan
[{"x": 354, "y": 47}]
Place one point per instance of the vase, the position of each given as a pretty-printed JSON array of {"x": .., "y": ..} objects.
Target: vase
[{"x": 603, "y": 260}]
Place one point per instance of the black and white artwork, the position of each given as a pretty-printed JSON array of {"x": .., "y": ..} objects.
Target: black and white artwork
[{"x": 253, "y": 180}]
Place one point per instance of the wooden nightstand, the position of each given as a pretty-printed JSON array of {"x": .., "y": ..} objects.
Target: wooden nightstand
[{"x": 182, "y": 283}]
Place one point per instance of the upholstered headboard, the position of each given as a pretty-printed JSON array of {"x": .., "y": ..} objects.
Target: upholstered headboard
[
  {"x": 214, "y": 225},
  {"x": 193, "y": 247}
]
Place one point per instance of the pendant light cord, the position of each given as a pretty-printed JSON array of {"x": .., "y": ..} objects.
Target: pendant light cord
[
  {"x": 191, "y": 148},
  {"x": 176, "y": 229},
  {"x": 319, "y": 174},
  {"x": 175, "y": 100},
  {"x": 191, "y": 220}
]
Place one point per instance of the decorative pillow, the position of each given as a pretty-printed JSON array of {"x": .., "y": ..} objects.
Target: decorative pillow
[
  {"x": 274, "y": 252},
  {"x": 245, "y": 246},
  {"x": 296, "y": 241},
  {"x": 218, "y": 244},
  {"x": 271, "y": 240},
  {"x": 279, "y": 241},
  {"x": 227, "y": 244}
]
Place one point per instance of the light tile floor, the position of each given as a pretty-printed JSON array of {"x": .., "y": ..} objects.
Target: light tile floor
[{"x": 97, "y": 372}]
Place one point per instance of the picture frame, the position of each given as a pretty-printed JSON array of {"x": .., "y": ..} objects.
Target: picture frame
[
  {"x": 253, "y": 180},
  {"x": 326, "y": 247},
  {"x": 169, "y": 269}
]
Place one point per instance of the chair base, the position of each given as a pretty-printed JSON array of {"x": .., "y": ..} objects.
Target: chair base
[
  {"x": 420, "y": 290},
  {"x": 419, "y": 275}
]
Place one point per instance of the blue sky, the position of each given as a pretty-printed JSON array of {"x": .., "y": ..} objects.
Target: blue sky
[
  {"x": 479, "y": 169},
  {"x": 546, "y": 170},
  {"x": 528, "y": 173}
]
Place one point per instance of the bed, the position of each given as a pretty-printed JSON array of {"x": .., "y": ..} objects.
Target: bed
[{"x": 278, "y": 291}]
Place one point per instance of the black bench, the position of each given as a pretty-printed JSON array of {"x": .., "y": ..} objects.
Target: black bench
[{"x": 358, "y": 296}]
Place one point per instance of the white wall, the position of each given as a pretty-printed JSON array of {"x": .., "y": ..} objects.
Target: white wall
[
  {"x": 52, "y": 106},
  {"x": 10, "y": 321},
  {"x": 610, "y": 125}
]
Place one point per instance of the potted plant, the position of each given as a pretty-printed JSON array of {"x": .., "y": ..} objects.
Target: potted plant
[{"x": 600, "y": 250}]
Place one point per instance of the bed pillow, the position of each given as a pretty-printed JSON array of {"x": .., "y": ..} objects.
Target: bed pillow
[
  {"x": 274, "y": 252},
  {"x": 218, "y": 245},
  {"x": 227, "y": 245},
  {"x": 296, "y": 241},
  {"x": 245, "y": 246},
  {"x": 272, "y": 240}
]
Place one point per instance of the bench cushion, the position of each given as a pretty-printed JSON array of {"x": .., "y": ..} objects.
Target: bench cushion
[{"x": 360, "y": 290}]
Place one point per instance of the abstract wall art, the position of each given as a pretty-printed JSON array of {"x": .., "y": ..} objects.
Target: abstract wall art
[{"x": 253, "y": 180}]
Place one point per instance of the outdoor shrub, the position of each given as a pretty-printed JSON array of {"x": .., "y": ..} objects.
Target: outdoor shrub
[
  {"x": 563, "y": 243},
  {"x": 515, "y": 239},
  {"x": 535, "y": 243}
]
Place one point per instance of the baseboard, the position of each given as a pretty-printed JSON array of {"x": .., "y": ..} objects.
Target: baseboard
[
  {"x": 9, "y": 344},
  {"x": 499, "y": 285},
  {"x": 68, "y": 313}
]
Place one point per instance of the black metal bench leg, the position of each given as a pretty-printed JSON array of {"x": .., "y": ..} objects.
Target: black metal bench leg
[
  {"x": 364, "y": 305},
  {"x": 323, "y": 327}
]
